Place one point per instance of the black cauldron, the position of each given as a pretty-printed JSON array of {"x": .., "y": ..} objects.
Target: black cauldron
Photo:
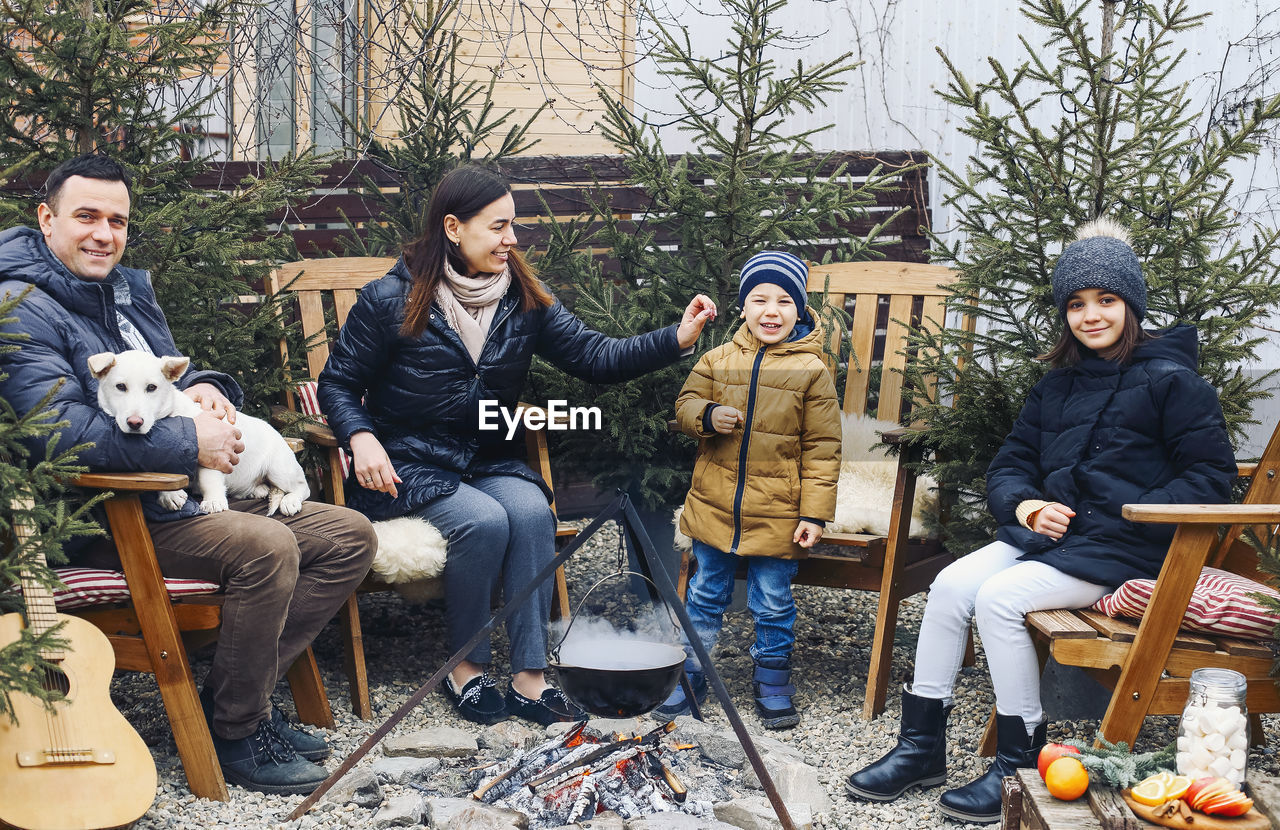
[{"x": 618, "y": 678}]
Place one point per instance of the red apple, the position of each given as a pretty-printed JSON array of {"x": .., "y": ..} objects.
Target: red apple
[
  {"x": 1051, "y": 753},
  {"x": 1217, "y": 796},
  {"x": 1202, "y": 789}
]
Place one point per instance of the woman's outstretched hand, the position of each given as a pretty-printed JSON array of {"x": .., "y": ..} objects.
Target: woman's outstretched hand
[
  {"x": 370, "y": 463},
  {"x": 700, "y": 310}
]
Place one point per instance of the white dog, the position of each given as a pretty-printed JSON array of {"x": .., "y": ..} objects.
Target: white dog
[{"x": 136, "y": 388}]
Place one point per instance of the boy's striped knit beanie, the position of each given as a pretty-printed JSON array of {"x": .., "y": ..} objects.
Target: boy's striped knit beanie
[{"x": 780, "y": 268}]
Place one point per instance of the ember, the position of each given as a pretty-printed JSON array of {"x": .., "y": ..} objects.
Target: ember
[{"x": 573, "y": 777}]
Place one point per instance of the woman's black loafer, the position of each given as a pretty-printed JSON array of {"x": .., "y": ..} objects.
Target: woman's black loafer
[
  {"x": 479, "y": 700},
  {"x": 551, "y": 707}
]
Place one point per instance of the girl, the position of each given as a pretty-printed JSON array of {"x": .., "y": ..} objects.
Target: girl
[{"x": 1122, "y": 418}]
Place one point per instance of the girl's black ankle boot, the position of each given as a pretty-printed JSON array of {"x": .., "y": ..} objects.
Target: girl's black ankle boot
[
  {"x": 979, "y": 801},
  {"x": 919, "y": 759}
]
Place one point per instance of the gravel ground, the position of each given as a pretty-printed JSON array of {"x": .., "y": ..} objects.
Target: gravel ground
[{"x": 405, "y": 644}]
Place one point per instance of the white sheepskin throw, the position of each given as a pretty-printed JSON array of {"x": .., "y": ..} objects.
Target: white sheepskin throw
[
  {"x": 411, "y": 555},
  {"x": 867, "y": 474}
]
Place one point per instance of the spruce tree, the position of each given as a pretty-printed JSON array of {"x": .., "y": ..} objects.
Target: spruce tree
[
  {"x": 30, "y": 497},
  {"x": 114, "y": 75},
  {"x": 750, "y": 183},
  {"x": 444, "y": 120},
  {"x": 1082, "y": 128},
  {"x": 117, "y": 76}
]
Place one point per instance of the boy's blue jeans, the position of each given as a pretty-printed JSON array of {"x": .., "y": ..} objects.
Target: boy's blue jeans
[{"x": 768, "y": 598}]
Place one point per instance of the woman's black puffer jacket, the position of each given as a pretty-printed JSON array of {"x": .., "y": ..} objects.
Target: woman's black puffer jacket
[
  {"x": 1098, "y": 435},
  {"x": 421, "y": 397}
]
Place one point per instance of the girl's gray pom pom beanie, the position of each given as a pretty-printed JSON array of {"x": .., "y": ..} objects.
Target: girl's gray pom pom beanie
[{"x": 1101, "y": 257}]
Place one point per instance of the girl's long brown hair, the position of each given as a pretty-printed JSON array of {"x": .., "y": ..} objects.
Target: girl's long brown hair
[
  {"x": 463, "y": 192},
  {"x": 1068, "y": 351}
]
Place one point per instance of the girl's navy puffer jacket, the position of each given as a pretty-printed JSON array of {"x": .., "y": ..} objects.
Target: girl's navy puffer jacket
[
  {"x": 1098, "y": 435},
  {"x": 421, "y": 397}
]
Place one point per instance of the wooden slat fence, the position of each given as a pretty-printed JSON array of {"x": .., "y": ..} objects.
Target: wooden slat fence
[{"x": 567, "y": 184}]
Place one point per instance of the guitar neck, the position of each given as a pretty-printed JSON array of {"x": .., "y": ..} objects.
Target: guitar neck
[{"x": 42, "y": 613}]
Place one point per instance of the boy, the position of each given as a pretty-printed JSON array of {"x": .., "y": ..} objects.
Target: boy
[{"x": 763, "y": 407}]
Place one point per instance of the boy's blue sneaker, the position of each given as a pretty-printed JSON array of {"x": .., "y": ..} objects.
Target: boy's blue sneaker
[{"x": 677, "y": 704}]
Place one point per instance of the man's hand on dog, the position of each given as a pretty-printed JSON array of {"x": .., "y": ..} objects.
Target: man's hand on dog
[
  {"x": 212, "y": 400},
  {"x": 218, "y": 442},
  {"x": 372, "y": 467}
]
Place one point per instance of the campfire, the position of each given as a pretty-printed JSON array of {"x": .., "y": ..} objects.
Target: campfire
[{"x": 571, "y": 778}]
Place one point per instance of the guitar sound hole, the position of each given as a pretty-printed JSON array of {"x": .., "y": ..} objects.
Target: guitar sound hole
[{"x": 55, "y": 680}]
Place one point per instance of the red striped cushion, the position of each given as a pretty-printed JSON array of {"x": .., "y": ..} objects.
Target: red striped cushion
[
  {"x": 1222, "y": 603},
  {"x": 90, "y": 586},
  {"x": 311, "y": 407}
]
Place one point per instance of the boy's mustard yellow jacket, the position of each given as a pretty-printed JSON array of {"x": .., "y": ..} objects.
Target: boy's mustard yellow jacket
[{"x": 751, "y": 487}]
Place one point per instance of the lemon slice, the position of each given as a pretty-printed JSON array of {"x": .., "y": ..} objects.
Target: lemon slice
[
  {"x": 1177, "y": 787},
  {"x": 1163, "y": 776},
  {"x": 1150, "y": 792}
]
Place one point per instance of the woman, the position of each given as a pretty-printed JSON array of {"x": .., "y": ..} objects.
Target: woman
[{"x": 454, "y": 323}]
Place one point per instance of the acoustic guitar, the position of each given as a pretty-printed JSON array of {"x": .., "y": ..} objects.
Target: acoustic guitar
[{"x": 76, "y": 764}]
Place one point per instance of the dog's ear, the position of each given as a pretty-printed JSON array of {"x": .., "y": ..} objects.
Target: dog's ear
[
  {"x": 100, "y": 364},
  {"x": 173, "y": 367}
]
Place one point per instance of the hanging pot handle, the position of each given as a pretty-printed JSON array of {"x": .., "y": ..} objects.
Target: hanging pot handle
[{"x": 675, "y": 625}]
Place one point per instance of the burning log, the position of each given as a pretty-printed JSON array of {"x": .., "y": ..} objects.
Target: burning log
[
  {"x": 613, "y": 759},
  {"x": 678, "y": 790},
  {"x": 614, "y": 796},
  {"x": 569, "y": 779},
  {"x": 541, "y": 755},
  {"x": 577, "y": 761},
  {"x": 584, "y": 806}
]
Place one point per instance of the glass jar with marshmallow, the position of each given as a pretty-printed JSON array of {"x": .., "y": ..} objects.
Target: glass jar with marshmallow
[{"x": 1213, "y": 736}]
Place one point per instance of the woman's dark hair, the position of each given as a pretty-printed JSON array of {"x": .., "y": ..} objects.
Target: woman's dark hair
[
  {"x": 463, "y": 192},
  {"x": 89, "y": 166},
  {"x": 1069, "y": 351}
]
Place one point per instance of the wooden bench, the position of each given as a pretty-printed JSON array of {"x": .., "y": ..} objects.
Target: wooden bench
[{"x": 330, "y": 287}]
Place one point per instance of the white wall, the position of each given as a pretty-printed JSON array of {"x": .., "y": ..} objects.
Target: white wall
[{"x": 891, "y": 101}]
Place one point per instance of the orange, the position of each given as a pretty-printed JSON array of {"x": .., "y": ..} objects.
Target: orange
[
  {"x": 1150, "y": 792},
  {"x": 1066, "y": 779}
]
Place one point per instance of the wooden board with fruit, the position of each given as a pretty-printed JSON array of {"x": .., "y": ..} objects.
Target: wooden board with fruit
[{"x": 1204, "y": 804}]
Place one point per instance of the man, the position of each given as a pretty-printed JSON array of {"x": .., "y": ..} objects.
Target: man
[{"x": 284, "y": 577}]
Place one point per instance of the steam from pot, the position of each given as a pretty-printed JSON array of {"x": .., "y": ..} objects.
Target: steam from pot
[{"x": 649, "y": 640}]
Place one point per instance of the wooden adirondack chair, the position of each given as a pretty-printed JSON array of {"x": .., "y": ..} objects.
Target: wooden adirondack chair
[
  {"x": 148, "y": 632},
  {"x": 323, "y": 285},
  {"x": 1148, "y": 666},
  {"x": 886, "y": 298}
]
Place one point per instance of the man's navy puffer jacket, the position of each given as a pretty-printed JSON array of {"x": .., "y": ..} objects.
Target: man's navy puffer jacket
[
  {"x": 1096, "y": 436},
  {"x": 68, "y": 319},
  {"x": 422, "y": 396}
]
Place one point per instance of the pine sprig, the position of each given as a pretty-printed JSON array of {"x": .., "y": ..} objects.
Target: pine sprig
[{"x": 1115, "y": 765}]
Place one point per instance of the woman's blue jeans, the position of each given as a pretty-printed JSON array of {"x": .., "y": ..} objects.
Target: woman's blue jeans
[
  {"x": 501, "y": 532},
  {"x": 768, "y": 598}
]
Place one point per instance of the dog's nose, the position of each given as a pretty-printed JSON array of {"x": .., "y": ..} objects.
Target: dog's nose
[{"x": 135, "y": 422}]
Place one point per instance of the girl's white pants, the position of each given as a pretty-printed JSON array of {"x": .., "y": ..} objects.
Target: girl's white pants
[{"x": 993, "y": 587}]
